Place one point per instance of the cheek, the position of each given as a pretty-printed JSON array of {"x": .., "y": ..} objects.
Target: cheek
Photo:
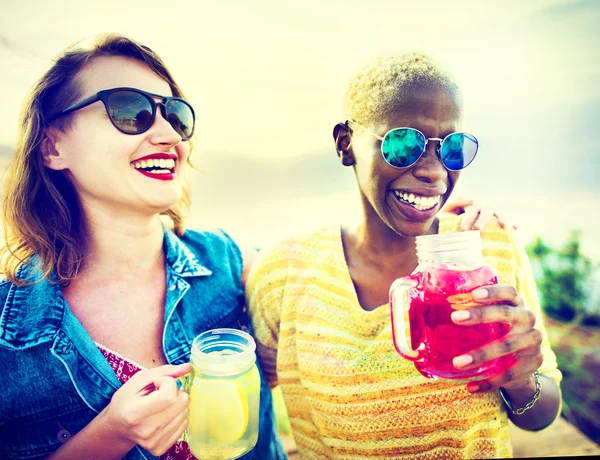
[
  {"x": 374, "y": 182},
  {"x": 104, "y": 148},
  {"x": 453, "y": 177},
  {"x": 367, "y": 174},
  {"x": 183, "y": 152}
]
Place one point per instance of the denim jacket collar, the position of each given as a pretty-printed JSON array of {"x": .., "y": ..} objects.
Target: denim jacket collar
[
  {"x": 181, "y": 259},
  {"x": 34, "y": 314}
]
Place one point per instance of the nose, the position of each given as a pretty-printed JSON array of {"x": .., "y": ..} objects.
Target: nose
[
  {"x": 161, "y": 131},
  {"x": 429, "y": 168}
]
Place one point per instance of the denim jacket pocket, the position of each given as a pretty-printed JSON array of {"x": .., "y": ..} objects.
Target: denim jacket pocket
[{"x": 37, "y": 436}]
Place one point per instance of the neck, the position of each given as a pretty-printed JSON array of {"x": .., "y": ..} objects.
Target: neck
[
  {"x": 117, "y": 246},
  {"x": 369, "y": 241}
]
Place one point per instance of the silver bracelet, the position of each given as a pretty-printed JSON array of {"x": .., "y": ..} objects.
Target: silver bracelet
[{"x": 530, "y": 404}]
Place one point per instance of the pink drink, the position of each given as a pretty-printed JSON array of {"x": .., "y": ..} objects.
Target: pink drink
[
  {"x": 450, "y": 267},
  {"x": 443, "y": 340}
]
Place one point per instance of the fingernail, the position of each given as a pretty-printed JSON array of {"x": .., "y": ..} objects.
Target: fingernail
[
  {"x": 480, "y": 293},
  {"x": 460, "y": 315},
  {"x": 462, "y": 361},
  {"x": 472, "y": 387}
]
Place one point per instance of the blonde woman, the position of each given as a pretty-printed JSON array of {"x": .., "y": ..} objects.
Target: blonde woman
[{"x": 102, "y": 299}]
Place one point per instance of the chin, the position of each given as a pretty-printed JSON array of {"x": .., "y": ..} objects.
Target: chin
[
  {"x": 413, "y": 229},
  {"x": 164, "y": 203}
]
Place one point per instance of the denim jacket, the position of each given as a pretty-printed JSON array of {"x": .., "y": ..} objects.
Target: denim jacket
[{"x": 54, "y": 380}]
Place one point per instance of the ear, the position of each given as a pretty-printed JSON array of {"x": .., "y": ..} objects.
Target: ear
[
  {"x": 51, "y": 151},
  {"x": 343, "y": 139}
]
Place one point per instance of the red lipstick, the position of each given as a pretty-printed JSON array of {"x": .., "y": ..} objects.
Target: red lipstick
[
  {"x": 168, "y": 176},
  {"x": 157, "y": 156}
]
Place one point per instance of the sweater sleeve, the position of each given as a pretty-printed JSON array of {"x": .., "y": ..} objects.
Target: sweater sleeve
[
  {"x": 527, "y": 288},
  {"x": 264, "y": 296}
]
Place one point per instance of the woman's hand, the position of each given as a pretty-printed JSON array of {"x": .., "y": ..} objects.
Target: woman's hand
[
  {"x": 501, "y": 303},
  {"x": 149, "y": 410},
  {"x": 476, "y": 215}
]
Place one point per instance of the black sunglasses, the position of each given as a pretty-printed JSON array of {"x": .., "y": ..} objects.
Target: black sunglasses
[
  {"x": 132, "y": 111},
  {"x": 403, "y": 147}
]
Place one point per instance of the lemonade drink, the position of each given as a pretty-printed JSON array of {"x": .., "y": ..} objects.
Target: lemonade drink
[{"x": 224, "y": 387}]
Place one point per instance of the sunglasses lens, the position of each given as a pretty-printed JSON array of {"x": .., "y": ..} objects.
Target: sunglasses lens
[
  {"x": 130, "y": 111},
  {"x": 459, "y": 150},
  {"x": 181, "y": 117},
  {"x": 402, "y": 147}
]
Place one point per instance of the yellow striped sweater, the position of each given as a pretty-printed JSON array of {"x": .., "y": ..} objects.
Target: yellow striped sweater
[{"x": 348, "y": 393}]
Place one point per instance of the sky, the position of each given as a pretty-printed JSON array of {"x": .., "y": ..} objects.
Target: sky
[{"x": 267, "y": 77}]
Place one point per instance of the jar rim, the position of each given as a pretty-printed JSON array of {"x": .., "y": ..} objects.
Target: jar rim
[
  {"x": 451, "y": 247},
  {"x": 241, "y": 343},
  {"x": 449, "y": 241}
]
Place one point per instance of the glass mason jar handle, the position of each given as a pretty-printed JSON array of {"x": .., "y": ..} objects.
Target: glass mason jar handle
[
  {"x": 186, "y": 385},
  {"x": 399, "y": 304}
]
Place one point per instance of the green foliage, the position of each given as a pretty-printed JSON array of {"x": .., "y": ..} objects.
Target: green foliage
[
  {"x": 564, "y": 278},
  {"x": 577, "y": 351}
]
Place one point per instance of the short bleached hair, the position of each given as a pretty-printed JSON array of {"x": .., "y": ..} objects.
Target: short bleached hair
[{"x": 376, "y": 88}]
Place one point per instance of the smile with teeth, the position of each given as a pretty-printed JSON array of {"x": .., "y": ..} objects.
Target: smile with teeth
[
  {"x": 422, "y": 203},
  {"x": 156, "y": 166}
]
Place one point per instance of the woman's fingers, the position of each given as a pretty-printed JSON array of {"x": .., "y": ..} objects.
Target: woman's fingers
[
  {"x": 499, "y": 303},
  {"x": 170, "y": 433},
  {"x": 176, "y": 421},
  {"x": 469, "y": 217},
  {"x": 456, "y": 205},
  {"x": 180, "y": 405},
  {"x": 520, "y": 319},
  {"x": 517, "y": 317},
  {"x": 164, "y": 396},
  {"x": 528, "y": 342},
  {"x": 144, "y": 379},
  {"x": 484, "y": 218},
  {"x": 519, "y": 374},
  {"x": 475, "y": 215},
  {"x": 147, "y": 393},
  {"x": 498, "y": 293},
  {"x": 505, "y": 223},
  {"x": 145, "y": 418},
  {"x": 177, "y": 433}
]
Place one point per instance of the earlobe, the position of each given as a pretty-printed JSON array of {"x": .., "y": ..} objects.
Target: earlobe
[
  {"x": 51, "y": 154},
  {"x": 343, "y": 140}
]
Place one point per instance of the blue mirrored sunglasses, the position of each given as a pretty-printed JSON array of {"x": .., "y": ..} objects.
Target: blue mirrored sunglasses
[{"x": 403, "y": 147}]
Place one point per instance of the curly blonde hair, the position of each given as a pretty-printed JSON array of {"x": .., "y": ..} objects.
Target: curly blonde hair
[
  {"x": 42, "y": 214},
  {"x": 376, "y": 87}
]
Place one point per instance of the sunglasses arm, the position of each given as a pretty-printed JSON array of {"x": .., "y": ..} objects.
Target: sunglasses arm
[
  {"x": 79, "y": 105},
  {"x": 361, "y": 126}
]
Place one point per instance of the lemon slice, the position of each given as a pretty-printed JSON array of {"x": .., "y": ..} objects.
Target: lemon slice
[
  {"x": 461, "y": 301},
  {"x": 218, "y": 407}
]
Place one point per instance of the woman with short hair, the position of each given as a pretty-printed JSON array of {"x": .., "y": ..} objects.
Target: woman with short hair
[{"x": 319, "y": 301}]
